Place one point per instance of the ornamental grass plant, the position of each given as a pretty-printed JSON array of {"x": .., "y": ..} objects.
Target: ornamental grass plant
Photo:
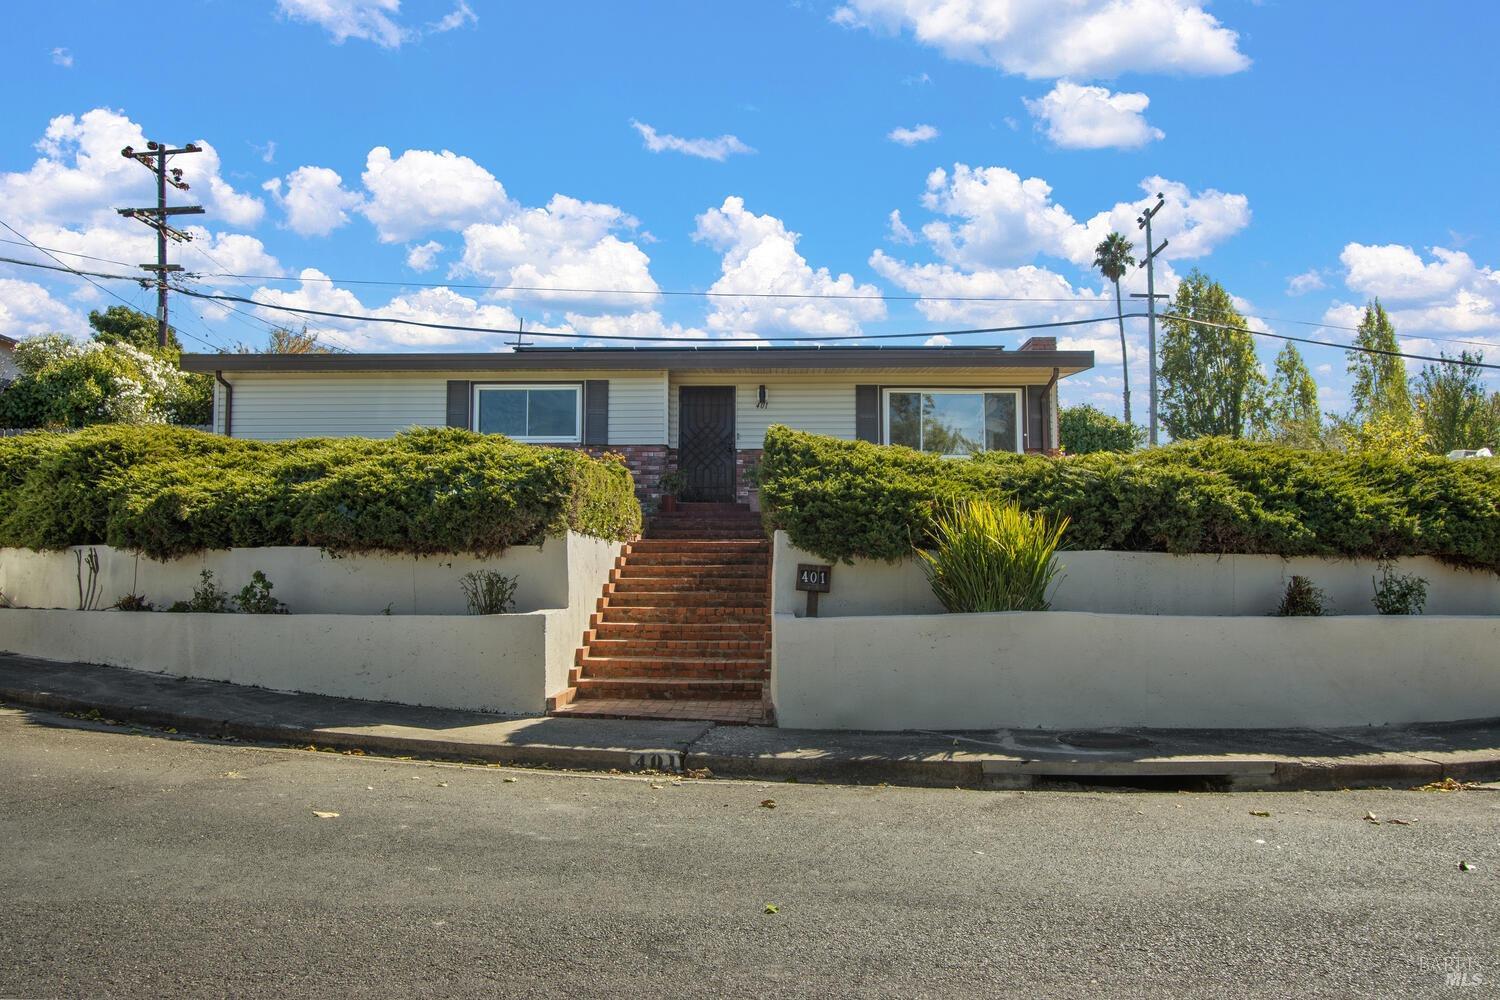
[{"x": 993, "y": 557}]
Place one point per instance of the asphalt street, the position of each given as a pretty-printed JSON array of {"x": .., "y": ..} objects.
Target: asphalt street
[{"x": 147, "y": 865}]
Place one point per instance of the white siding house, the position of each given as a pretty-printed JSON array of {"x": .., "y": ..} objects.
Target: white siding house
[{"x": 632, "y": 401}]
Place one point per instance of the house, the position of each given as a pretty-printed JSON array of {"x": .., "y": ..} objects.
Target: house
[
  {"x": 8, "y": 370},
  {"x": 702, "y": 411}
]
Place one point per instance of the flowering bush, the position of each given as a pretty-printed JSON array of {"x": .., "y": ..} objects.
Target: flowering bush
[{"x": 63, "y": 384}]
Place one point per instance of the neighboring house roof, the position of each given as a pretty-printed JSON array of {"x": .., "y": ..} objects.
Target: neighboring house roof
[
  {"x": 657, "y": 358},
  {"x": 7, "y": 343}
]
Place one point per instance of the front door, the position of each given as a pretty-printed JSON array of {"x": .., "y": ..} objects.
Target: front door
[{"x": 705, "y": 442}]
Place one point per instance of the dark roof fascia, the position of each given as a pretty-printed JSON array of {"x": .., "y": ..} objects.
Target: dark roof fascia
[{"x": 646, "y": 359}]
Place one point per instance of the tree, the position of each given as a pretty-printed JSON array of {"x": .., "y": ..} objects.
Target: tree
[
  {"x": 124, "y": 325},
  {"x": 1211, "y": 380},
  {"x": 1378, "y": 379},
  {"x": 285, "y": 340},
  {"x": 1085, "y": 428},
  {"x": 1292, "y": 404},
  {"x": 1112, "y": 257},
  {"x": 1452, "y": 406},
  {"x": 63, "y": 384}
]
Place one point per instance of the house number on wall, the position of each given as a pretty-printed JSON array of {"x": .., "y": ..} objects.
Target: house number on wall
[{"x": 815, "y": 580}]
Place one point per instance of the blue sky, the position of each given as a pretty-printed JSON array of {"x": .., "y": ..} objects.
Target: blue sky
[{"x": 1313, "y": 154}]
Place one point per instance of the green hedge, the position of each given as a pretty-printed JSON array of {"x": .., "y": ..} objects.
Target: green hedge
[
  {"x": 171, "y": 491},
  {"x": 846, "y": 499}
]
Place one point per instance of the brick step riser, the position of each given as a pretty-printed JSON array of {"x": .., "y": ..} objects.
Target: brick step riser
[
  {"x": 680, "y": 632},
  {"x": 633, "y": 571},
  {"x": 689, "y": 649},
  {"x": 679, "y": 521},
  {"x": 670, "y": 599},
  {"x": 717, "y": 585},
  {"x": 684, "y": 616},
  {"x": 704, "y": 536},
  {"x": 687, "y": 545},
  {"x": 702, "y": 691},
  {"x": 707, "y": 670},
  {"x": 648, "y": 562}
]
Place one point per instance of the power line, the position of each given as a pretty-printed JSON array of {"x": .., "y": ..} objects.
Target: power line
[
  {"x": 400, "y": 321},
  {"x": 837, "y": 296},
  {"x": 66, "y": 253},
  {"x": 89, "y": 277},
  {"x": 154, "y": 158},
  {"x": 1324, "y": 343}
]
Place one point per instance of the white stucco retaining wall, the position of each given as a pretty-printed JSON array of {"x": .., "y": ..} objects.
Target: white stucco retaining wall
[
  {"x": 311, "y": 581},
  {"x": 1066, "y": 670},
  {"x": 1147, "y": 583},
  {"x": 429, "y": 651}
]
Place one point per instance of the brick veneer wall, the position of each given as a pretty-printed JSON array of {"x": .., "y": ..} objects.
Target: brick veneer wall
[
  {"x": 744, "y": 460},
  {"x": 647, "y": 463}
]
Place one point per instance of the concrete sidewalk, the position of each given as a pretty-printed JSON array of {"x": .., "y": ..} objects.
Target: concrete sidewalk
[{"x": 1238, "y": 759}]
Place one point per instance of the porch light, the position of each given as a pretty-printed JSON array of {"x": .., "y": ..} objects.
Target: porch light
[{"x": 760, "y": 398}]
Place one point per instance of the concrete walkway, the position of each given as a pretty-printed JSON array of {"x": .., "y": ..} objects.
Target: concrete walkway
[{"x": 1397, "y": 756}]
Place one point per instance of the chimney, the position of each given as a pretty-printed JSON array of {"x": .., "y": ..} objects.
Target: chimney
[{"x": 1040, "y": 344}]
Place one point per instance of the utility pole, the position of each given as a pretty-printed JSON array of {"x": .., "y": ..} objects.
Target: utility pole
[
  {"x": 154, "y": 158},
  {"x": 1144, "y": 222}
]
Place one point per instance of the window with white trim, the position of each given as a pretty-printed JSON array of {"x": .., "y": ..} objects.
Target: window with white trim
[
  {"x": 954, "y": 422},
  {"x": 540, "y": 414}
]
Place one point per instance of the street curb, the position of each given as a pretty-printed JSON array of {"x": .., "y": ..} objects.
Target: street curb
[
  {"x": 715, "y": 749},
  {"x": 567, "y": 758}
]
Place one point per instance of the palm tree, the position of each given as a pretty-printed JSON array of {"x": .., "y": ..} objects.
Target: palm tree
[{"x": 1113, "y": 259}]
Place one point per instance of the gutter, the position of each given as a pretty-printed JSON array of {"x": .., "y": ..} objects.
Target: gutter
[
  {"x": 1047, "y": 395},
  {"x": 229, "y": 401}
]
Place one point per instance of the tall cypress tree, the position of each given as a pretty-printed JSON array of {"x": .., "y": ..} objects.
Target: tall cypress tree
[
  {"x": 1211, "y": 380},
  {"x": 1378, "y": 387},
  {"x": 1292, "y": 404}
]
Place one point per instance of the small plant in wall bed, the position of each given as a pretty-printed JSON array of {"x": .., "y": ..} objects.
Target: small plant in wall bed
[
  {"x": 207, "y": 597},
  {"x": 1400, "y": 593},
  {"x": 255, "y": 597},
  {"x": 1303, "y": 599},
  {"x": 488, "y": 592}
]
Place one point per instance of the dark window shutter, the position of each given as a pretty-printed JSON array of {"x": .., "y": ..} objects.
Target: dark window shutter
[
  {"x": 867, "y": 413},
  {"x": 458, "y": 404},
  {"x": 596, "y": 411}
]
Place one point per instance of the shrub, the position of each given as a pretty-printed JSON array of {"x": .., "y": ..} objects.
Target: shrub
[
  {"x": 1399, "y": 593},
  {"x": 65, "y": 384},
  {"x": 847, "y": 499},
  {"x": 255, "y": 597},
  {"x": 1302, "y": 599},
  {"x": 1085, "y": 429},
  {"x": 207, "y": 597},
  {"x": 169, "y": 492},
  {"x": 134, "y": 602},
  {"x": 992, "y": 557},
  {"x": 488, "y": 592}
]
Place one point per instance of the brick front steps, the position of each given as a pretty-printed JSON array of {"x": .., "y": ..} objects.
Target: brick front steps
[{"x": 683, "y": 628}]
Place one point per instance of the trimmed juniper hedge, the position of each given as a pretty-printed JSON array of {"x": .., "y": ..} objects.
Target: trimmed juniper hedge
[
  {"x": 168, "y": 492},
  {"x": 847, "y": 499}
]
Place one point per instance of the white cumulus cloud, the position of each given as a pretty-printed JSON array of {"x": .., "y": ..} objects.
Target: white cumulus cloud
[
  {"x": 423, "y": 256},
  {"x": 314, "y": 200},
  {"x": 1308, "y": 281},
  {"x": 1078, "y": 117},
  {"x": 719, "y": 149},
  {"x": 760, "y": 255},
  {"x": 421, "y": 191},
  {"x": 27, "y": 309},
  {"x": 377, "y": 21},
  {"x": 912, "y": 136},
  {"x": 1448, "y": 293},
  {"x": 1057, "y": 38}
]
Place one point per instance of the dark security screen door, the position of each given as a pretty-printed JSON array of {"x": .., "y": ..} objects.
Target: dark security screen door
[{"x": 705, "y": 442}]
